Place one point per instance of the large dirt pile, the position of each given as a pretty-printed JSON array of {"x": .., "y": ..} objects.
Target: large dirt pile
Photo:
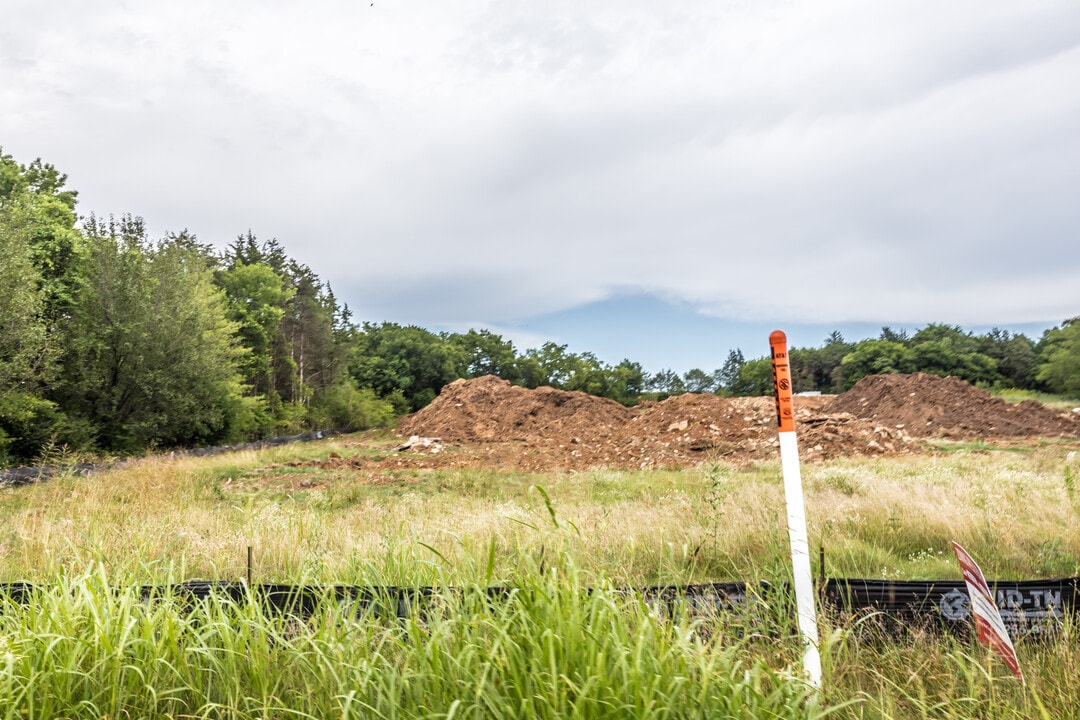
[
  {"x": 487, "y": 422},
  {"x": 687, "y": 429},
  {"x": 489, "y": 409},
  {"x": 923, "y": 405},
  {"x": 546, "y": 428}
]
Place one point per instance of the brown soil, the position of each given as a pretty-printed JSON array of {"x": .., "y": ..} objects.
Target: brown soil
[
  {"x": 488, "y": 423},
  {"x": 539, "y": 430},
  {"x": 488, "y": 409},
  {"x": 930, "y": 406}
]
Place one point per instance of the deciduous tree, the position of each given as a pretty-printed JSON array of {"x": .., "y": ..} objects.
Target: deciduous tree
[
  {"x": 875, "y": 357},
  {"x": 482, "y": 352},
  {"x": 1059, "y": 360},
  {"x": 152, "y": 358},
  {"x": 409, "y": 361}
]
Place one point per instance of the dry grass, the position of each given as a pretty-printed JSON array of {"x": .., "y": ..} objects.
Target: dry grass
[{"x": 1015, "y": 510}]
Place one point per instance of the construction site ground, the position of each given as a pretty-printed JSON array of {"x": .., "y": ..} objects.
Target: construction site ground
[{"x": 488, "y": 423}]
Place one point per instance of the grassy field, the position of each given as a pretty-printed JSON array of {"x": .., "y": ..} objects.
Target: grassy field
[
  {"x": 1058, "y": 402},
  {"x": 554, "y": 650}
]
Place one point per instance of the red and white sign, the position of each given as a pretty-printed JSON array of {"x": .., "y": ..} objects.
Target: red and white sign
[{"x": 989, "y": 627}]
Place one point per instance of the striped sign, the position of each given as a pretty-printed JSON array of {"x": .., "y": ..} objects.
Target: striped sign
[{"x": 989, "y": 627}]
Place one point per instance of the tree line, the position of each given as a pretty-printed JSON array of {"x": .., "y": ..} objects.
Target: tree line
[{"x": 113, "y": 342}]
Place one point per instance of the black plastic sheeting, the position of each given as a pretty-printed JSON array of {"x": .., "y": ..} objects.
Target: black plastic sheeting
[{"x": 1028, "y": 607}]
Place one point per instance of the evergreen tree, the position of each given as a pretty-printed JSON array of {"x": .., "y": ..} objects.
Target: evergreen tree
[
  {"x": 299, "y": 338},
  {"x": 730, "y": 374},
  {"x": 665, "y": 383},
  {"x": 697, "y": 380},
  {"x": 1015, "y": 356}
]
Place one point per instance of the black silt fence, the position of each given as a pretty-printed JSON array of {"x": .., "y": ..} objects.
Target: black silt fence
[{"x": 1028, "y": 607}]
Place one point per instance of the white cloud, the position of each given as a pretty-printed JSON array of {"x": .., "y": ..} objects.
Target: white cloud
[{"x": 462, "y": 161}]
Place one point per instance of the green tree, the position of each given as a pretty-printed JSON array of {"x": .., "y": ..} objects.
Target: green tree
[
  {"x": 313, "y": 327},
  {"x": 728, "y": 376},
  {"x": 24, "y": 346},
  {"x": 299, "y": 337},
  {"x": 627, "y": 382},
  {"x": 45, "y": 213},
  {"x": 554, "y": 366},
  {"x": 755, "y": 378},
  {"x": 256, "y": 300},
  {"x": 550, "y": 365},
  {"x": 825, "y": 372},
  {"x": 532, "y": 373},
  {"x": 941, "y": 357},
  {"x": 151, "y": 357},
  {"x": 697, "y": 380},
  {"x": 1058, "y": 368},
  {"x": 874, "y": 357},
  {"x": 1015, "y": 356},
  {"x": 894, "y": 336},
  {"x": 26, "y": 354},
  {"x": 485, "y": 353},
  {"x": 587, "y": 374},
  {"x": 952, "y": 335},
  {"x": 409, "y": 361},
  {"x": 348, "y": 408},
  {"x": 947, "y": 350},
  {"x": 39, "y": 258},
  {"x": 247, "y": 250},
  {"x": 666, "y": 383}
]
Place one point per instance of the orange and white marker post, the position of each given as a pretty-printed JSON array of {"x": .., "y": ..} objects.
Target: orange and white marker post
[
  {"x": 796, "y": 512},
  {"x": 989, "y": 627}
]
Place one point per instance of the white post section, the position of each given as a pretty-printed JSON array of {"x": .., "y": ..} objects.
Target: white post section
[
  {"x": 800, "y": 556},
  {"x": 796, "y": 512}
]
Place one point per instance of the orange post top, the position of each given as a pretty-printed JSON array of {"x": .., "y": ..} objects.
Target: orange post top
[{"x": 781, "y": 368}]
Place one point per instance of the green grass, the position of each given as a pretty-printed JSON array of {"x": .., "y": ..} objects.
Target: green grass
[
  {"x": 547, "y": 650},
  {"x": 550, "y": 648},
  {"x": 1058, "y": 402},
  {"x": 82, "y": 649},
  {"x": 968, "y": 446}
]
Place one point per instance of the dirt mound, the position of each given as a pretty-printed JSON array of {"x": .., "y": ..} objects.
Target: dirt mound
[
  {"x": 923, "y": 405},
  {"x": 488, "y": 423},
  {"x": 545, "y": 428},
  {"x": 687, "y": 429},
  {"x": 489, "y": 409}
]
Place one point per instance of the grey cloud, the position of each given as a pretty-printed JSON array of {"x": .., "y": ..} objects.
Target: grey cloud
[
  {"x": 485, "y": 162},
  {"x": 458, "y": 293}
]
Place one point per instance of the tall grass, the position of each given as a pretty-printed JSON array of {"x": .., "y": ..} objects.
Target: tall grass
[
  {"x": 923, "y": 676},
  {"x": 546, "y": 649},
  {"x": 88, "y": 646}
]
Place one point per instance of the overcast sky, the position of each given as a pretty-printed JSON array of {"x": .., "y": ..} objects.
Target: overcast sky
[{"x": 627, "y": 177}]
